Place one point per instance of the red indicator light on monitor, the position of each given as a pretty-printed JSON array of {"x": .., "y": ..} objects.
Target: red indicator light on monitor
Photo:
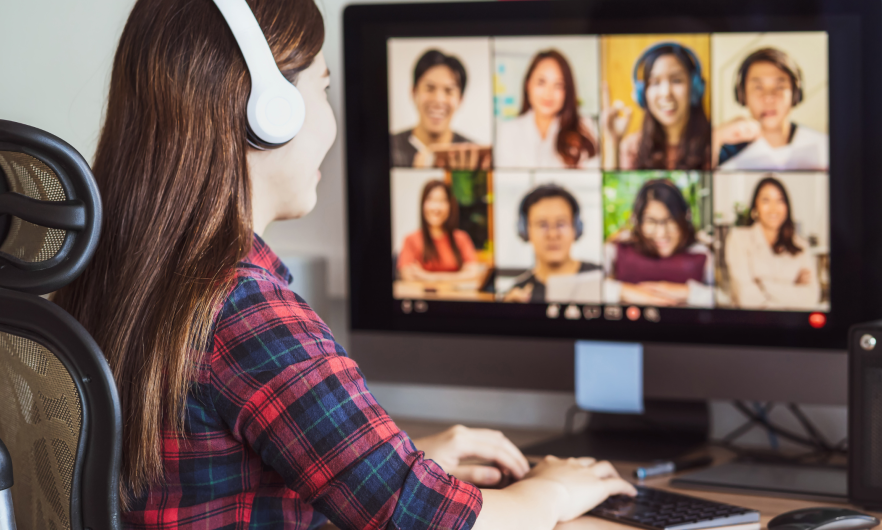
[{"x": 817, "y": 320}]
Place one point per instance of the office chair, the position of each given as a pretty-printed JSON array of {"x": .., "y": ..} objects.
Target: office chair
[{"x": 59, "y": 410}]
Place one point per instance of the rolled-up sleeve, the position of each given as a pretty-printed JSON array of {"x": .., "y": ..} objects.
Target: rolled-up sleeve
[{"x": 287, "y": 389}]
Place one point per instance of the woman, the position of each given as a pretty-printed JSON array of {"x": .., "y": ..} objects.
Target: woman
[
  {"x": 660, "y": 262},
  {"x": 439, "y": 83},
  {"x": 769, "y": 265},
  {"x": 769, "y": 85},
  {"x": 240, "y": 408},
  {"x": 676, "y": 133},
  {"x": 549, "y": 133},
  {"x": 438, "y": 250}
]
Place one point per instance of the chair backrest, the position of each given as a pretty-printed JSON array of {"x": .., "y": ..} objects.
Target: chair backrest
[{"x": 59, "y": 410}]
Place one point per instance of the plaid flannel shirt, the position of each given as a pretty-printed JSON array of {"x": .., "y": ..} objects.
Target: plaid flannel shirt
[{"x": 282, "y": 432}]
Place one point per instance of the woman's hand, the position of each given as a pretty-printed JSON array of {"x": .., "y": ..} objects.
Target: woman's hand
[
  {"x": 615, "y": 118},
  {"x": 449, "y": 448},
  {"x": 583, "y": 483},
  {"x": 676, "y": 292},
  {"x": 636, "y": 294},
  {"x": 804, "y": 277},
  {"x": 520, "y": 295}
]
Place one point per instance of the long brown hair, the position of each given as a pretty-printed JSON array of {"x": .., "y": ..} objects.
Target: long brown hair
[
  {"x": 430, "y": 252},
  {"x": 787, "y": 232},
  {"x": 573, "y": 138},
  {"x": 171, "y": 168},
  {"x": 665, "y": 192},
  {"x": 694, "y": 149}
]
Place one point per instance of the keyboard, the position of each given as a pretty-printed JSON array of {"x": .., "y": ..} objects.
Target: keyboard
[{"x": 662, "y": 510}]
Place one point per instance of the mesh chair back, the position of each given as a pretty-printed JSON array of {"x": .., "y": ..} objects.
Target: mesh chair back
[
  {"x": 50, "y": 216},
  {"x": 59, "y": 410},
  {"x": 25, "y": 241},
  {"x": 40, "y": 422}
]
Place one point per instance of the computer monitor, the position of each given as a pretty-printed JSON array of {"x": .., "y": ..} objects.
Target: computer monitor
[{"x": 696, "y": 176}]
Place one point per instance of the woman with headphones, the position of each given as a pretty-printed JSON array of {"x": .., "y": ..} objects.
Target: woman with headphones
[
  {"x": 659, "y": 262},
  {"x": 769, "y": 84},
  {"x": 676, "y": 133},
  {"x": 240, "y": 409}
]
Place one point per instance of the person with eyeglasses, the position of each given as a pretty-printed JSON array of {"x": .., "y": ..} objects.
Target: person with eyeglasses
[
  {"x": 549, "y": 220},
  {"x": 659, "y": 262}
]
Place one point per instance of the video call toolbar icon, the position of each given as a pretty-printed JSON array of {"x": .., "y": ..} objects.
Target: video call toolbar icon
[
  {"x": 553, "y": 311},
  {"x": 633, "y": 313},
  {"x": 572, "y": 312},
  {"x": 406, "y": 307},
  {"x": 421, "y": 306},
  {"x": 612, "y": 312},
  {"x": 651, "y": 314},
  {"x": 591, "y": 312}
]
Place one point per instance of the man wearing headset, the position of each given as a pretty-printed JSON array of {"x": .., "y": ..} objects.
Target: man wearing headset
[
  {"x": 549, "y": 220},
  {"x": 769, "y": 84}
]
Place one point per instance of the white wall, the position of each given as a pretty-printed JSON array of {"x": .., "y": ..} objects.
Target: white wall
[{"x": 55, "y": 65}]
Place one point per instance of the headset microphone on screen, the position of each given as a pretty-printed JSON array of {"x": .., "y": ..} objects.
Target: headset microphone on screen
[
  {"x": 275, "y": 107},
  {"x": 696, "y": 88}
]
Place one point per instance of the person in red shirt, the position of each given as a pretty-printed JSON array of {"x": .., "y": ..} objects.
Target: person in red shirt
[
  {"x": 241, "y": 409},
  {"x": 439, "y": 251}
]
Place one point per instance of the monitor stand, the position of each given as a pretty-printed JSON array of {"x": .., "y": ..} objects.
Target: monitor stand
[{"x": 665, "y": 431}]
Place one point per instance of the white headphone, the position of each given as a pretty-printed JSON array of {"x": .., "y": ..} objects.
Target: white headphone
[{"x": 275, "y": 107}]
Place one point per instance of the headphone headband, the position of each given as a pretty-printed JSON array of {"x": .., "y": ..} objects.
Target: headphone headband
[{"x": 276, "y": 110}]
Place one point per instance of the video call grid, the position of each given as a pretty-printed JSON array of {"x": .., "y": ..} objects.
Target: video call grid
[{"x": 697, "y": 271}]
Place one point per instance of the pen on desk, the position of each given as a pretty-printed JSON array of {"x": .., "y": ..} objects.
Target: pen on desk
[{"x": 671, "y": 466}]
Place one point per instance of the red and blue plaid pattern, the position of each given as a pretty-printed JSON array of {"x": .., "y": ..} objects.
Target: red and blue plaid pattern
[{"x": 282, "y": 431}]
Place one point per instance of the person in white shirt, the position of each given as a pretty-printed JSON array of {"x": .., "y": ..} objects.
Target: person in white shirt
[
  {"x": 769, "y": 85},
  {"x": 770, "y": 266},
  {"x": 549, "y": 133}
]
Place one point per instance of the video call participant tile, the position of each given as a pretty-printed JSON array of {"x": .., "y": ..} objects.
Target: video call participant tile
[
  {"x": 440, "y": 103},
  {"x": 546, "y": 94},
  {"x": 440, "y": 234},
  {"x": 547, "y": 236},
  {"x": 656, "y": 102},
  {"x": 773, "y": 231},
  {"x": 770, "y": 101},
  {"x": 658, "y": 239}
]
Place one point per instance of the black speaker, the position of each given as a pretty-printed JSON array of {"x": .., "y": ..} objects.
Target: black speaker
[{"x": 865, "y": 415}]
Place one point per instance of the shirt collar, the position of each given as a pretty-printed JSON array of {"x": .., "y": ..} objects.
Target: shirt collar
[{"x": 262, "y": 256}]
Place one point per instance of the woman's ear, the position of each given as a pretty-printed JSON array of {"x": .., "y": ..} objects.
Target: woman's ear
[{"x": 753, "y": 214}]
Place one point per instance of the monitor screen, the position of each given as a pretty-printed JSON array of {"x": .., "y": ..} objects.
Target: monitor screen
[{"x": 617, "y": 180}]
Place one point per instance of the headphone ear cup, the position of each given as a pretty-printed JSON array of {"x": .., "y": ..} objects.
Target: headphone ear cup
[
  {"x": 577, "y": 225},
  {"x": 639, "y": 93},
  {"x": 522, "y": 227},
  {"x": 697, "y": 90},
  {"x": 797, "y": 96},
  {"x": 276, "y": 112}
]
